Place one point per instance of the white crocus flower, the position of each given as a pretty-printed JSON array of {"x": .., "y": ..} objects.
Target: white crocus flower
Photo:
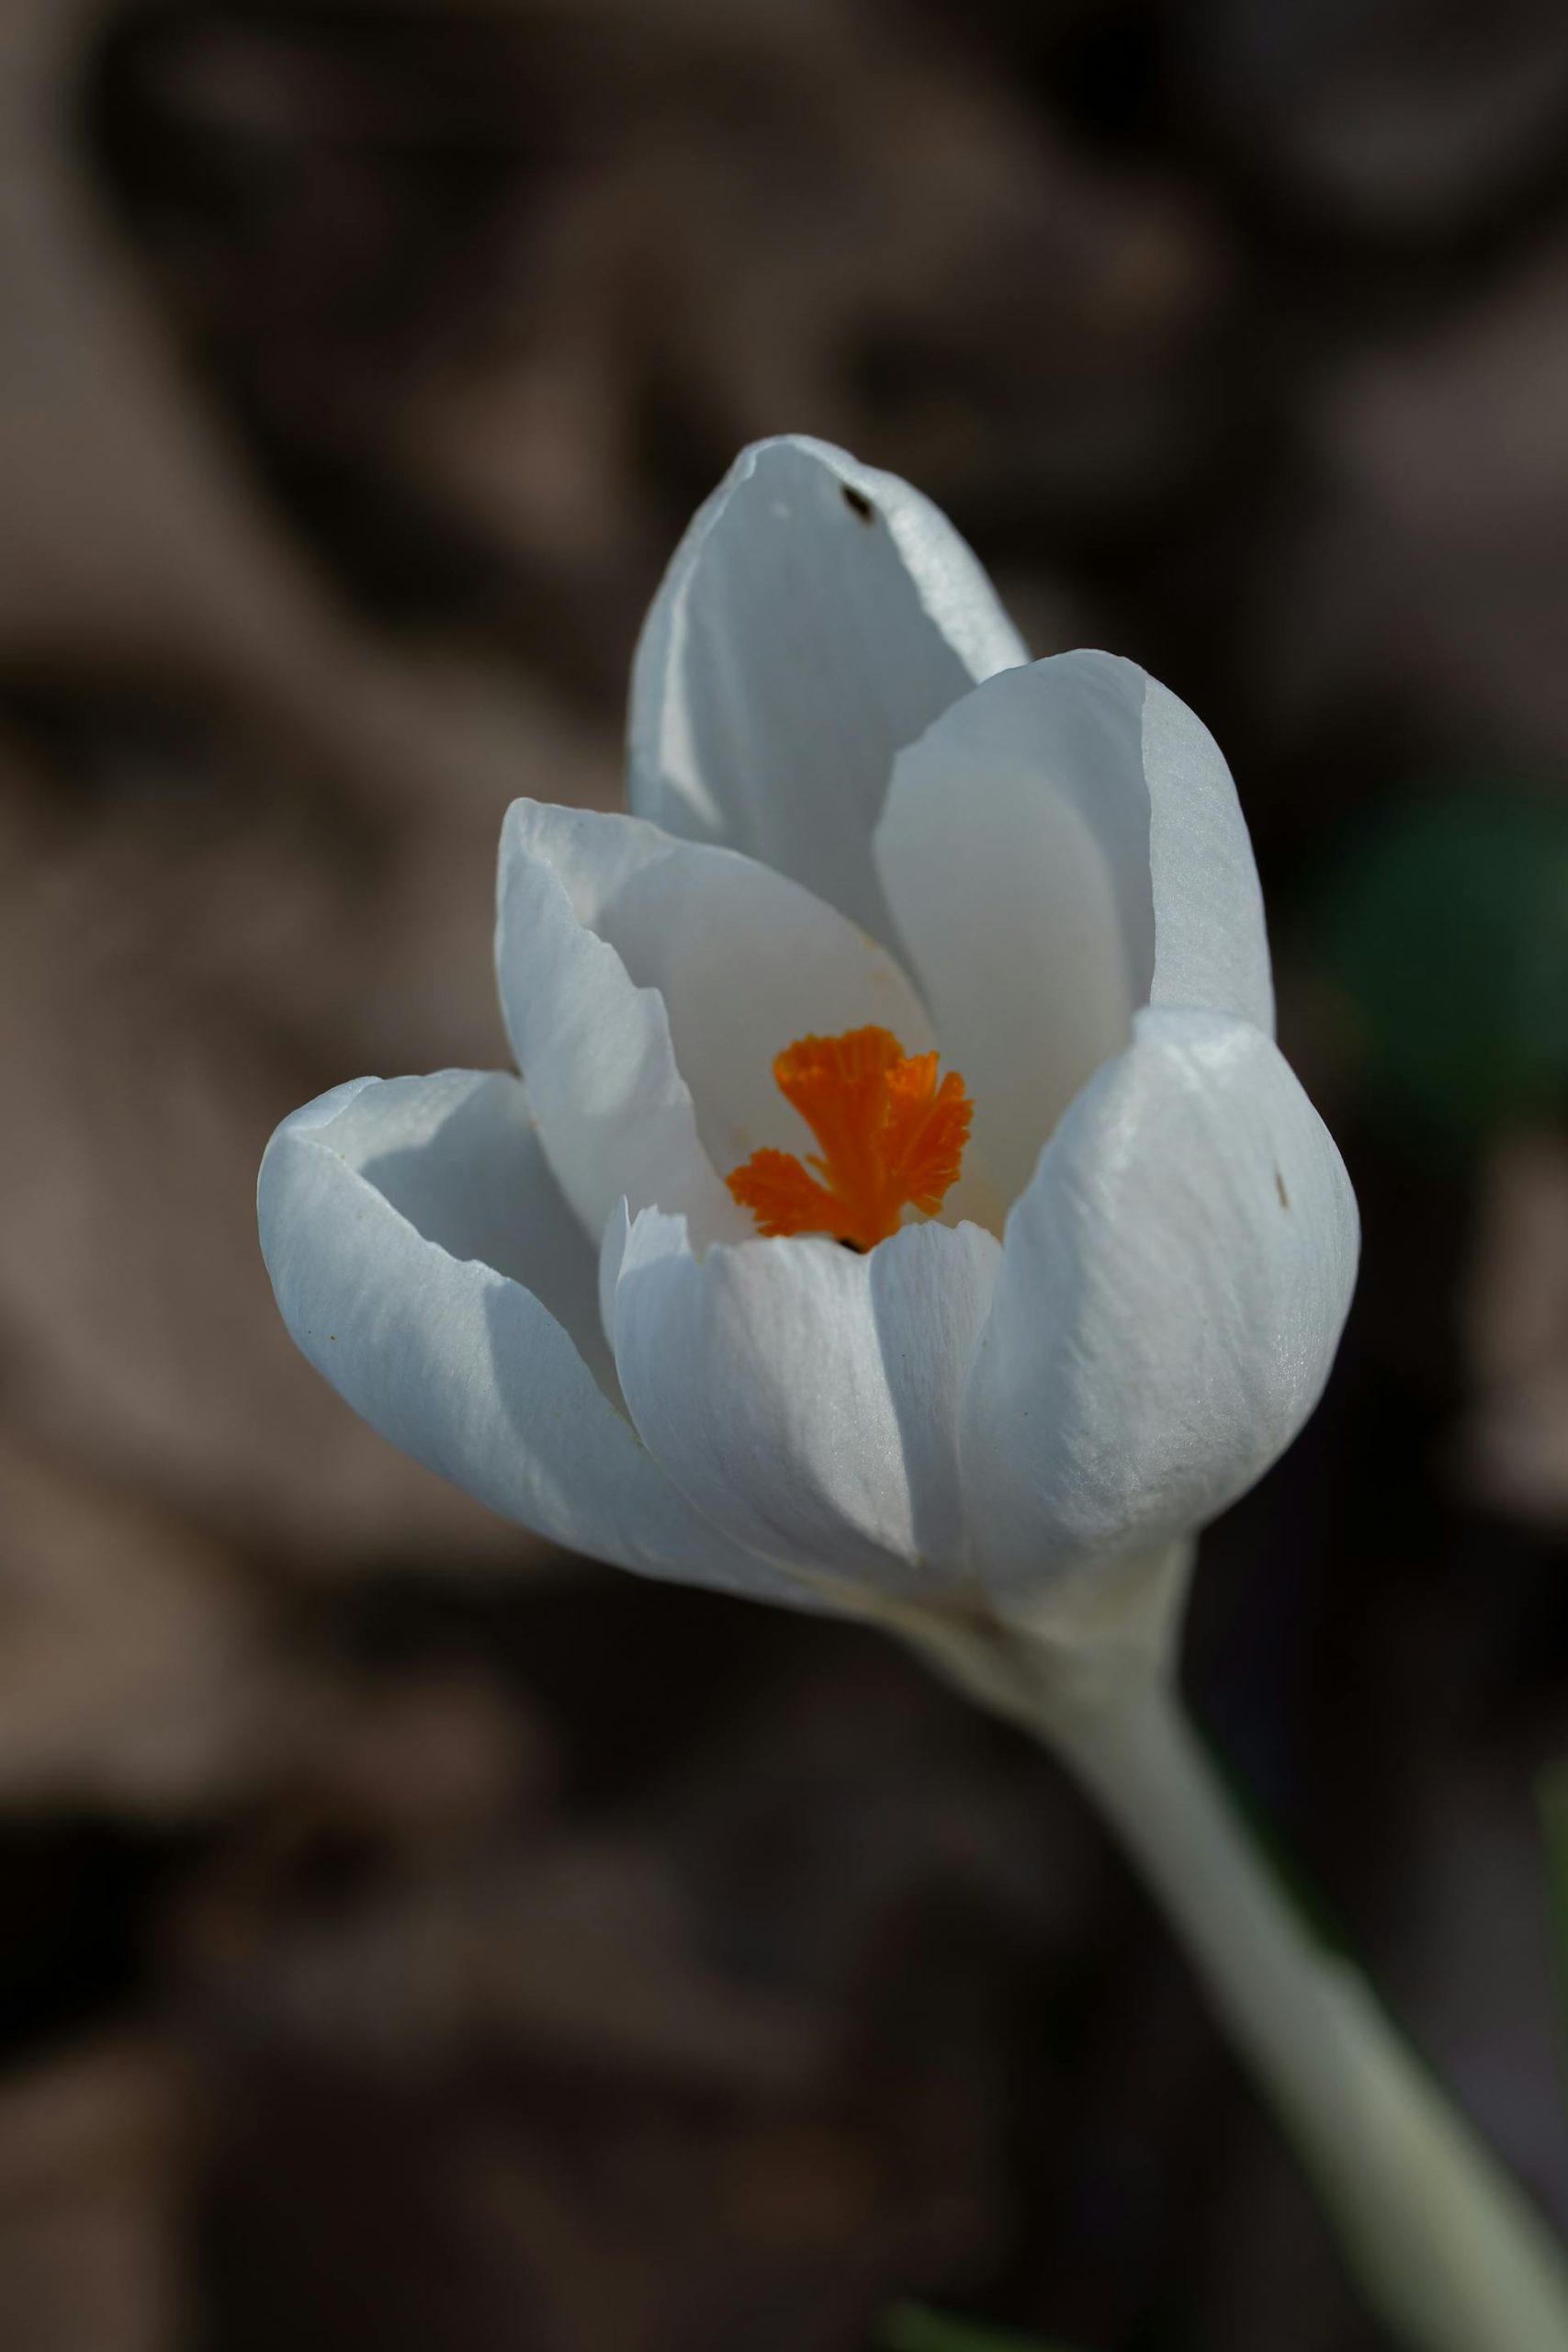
[
  {"x": 859, "y": 809},
  {"x": 1093, "y": 1283}
]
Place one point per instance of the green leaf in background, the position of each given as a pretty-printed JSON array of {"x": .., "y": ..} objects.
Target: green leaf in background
[
  {"x": 1444, "y": 935},
  {"x": 1551, "y": 1794},
  {"x": 910, "y": 2327}
]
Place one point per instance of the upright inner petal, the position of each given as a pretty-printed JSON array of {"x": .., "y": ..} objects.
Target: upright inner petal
[
  {"x": 1014, "y": 848},
  {"x": 892, "y": 1137},
  {"x": 817, "y": 616}
]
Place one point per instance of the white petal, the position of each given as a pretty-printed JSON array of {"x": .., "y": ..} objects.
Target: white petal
[
  {"x": 743, "y": 962},
  {"x": 1175, "y": 1283},
  {"x": 1062, "y": 846},
  {"x": 804, "y": 1397},
  {"x": 1014, "y": 850},
  {"x": 798, "y": 642},
  {"x": 612, "y": 1256},
  {"x": 1211, "y": 938},
  {"x": 614, "y": 1113},
  {"x": 414, "y": 1235}
]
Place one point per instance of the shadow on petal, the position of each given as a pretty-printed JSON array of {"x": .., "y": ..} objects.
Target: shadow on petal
[{"x": 478, "y": 1184}]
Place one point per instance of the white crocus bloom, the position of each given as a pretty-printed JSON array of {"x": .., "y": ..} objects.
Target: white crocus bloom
[
  {"x": 858, "y": 807},
  {"x": 988, "y": 934}
]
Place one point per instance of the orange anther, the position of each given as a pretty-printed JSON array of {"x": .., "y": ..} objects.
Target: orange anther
[{"x": 891, "y": 1136}]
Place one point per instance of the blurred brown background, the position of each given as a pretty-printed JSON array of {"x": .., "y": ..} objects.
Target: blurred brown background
[{"x": 411, "y": 1941}]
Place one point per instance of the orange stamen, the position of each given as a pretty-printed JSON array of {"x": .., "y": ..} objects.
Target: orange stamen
[{"x": 891, "y": 1138}]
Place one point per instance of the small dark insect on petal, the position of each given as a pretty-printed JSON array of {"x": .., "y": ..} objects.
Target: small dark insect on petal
[
  {"x": 1280, "y": 1188},
  {"x": 858, "y": 502}
]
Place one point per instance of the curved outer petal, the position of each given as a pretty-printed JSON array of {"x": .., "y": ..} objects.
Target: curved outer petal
[
  {"x": 649, "y": 984},
  {"x": 816, "y": 616},
  {"x": 1175, "y": 1283},
  {"x": 615, "y": 1115},
  {"x": 1060, "y": 847},
  {"x": 1211, "y": 937},
  {"x": 806, "y": 1398},
  {"x": 378, "y": 1205}
]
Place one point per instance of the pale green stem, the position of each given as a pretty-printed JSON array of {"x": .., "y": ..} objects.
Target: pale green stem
[{"x": 1449, "y": 2252}]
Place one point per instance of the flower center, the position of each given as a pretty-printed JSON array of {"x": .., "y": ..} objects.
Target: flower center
[{"x": 891, "y": 1138}]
